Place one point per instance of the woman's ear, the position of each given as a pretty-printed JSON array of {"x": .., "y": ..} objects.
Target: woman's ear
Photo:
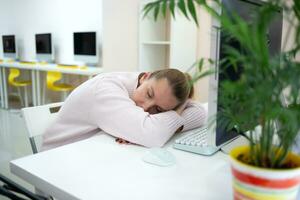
[{"x": 144, "y": 77}]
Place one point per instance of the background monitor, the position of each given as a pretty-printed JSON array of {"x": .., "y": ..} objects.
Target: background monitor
[
  {"x": 85, "y": 47},
  {"x": 9, "y": 46},
  {"x": 43, "y": 46},
  {"x": 219, "y": 40}
]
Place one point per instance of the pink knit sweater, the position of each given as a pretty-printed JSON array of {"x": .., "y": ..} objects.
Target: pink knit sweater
[{"x": 105, "y": 103}]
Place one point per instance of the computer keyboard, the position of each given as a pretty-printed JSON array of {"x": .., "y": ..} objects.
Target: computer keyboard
[
  {"x": 194, "y": 138},
  {"x": 195, "y": 141}
]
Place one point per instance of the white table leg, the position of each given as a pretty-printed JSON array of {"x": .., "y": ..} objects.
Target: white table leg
[
  {"x": 1, "y": 88},
  {"x": 38, "y": 87},
  {"x": 44, "y": 80},
  {"x": 5, "y": 99},
  {"x": 33, "y": 82}
]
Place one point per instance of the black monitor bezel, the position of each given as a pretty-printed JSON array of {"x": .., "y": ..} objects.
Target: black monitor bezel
[
  {"x": 76, "y": 53},
  {"x": 49, "y": 40},
  {"x": 5, "y": 37}
]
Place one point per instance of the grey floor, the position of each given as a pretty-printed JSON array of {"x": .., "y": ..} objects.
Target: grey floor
[{"x": 14, "y": 143}]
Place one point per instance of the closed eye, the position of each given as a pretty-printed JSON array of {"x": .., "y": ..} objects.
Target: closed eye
[{"x": 149, "y": 95}]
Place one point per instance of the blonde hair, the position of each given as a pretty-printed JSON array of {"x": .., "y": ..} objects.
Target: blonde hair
[{"x": 181, "y": 83}]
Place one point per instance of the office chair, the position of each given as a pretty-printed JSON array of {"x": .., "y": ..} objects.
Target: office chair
[
  {"x": 13, "y": 75},
  {"x": 52, "y": 78},
  {"x": 14, "y": 191},
  {"x": 37, "y": 120}
]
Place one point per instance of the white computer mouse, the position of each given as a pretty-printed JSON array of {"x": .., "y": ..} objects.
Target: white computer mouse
[{"x": 159, "y": 157}]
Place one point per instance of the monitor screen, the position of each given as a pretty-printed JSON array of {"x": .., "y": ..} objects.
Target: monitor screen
[
  {"x": 245, "y": 9},
  {"x": 9, "y": 45},
  {"x": 43, "y": 43},
  {"x": 85, "y": 43}
]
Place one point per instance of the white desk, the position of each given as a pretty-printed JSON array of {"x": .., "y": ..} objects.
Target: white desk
[
  {"x": 35, "y": 77},
  {"x": 100, "y": 168}
]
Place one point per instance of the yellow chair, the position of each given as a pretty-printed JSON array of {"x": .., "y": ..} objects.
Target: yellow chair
[
  {"x": 13, "y": 75},
  {"x": 53, "y": 78}
]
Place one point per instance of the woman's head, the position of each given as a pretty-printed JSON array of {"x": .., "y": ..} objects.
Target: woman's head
[{"x": 162, "y": 90}]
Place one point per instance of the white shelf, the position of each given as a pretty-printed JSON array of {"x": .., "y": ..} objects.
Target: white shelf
[
  {"x": 166, "y": 42},
  {"x": 156, "y": 43}
]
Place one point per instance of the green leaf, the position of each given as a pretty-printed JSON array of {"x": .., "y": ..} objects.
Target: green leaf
[
  {"x": 203, "y": 74},
  {"x": 164, "y": 8},
  {"x": 147, "y": 9},
  {"x": 172, "y": 7},
  {"x": 156, "y": 11},
  {"x": 182, "y": 7},
  {"x": 200, "y": 2},
  {"x": 200, "y": 64},
  {"x": 192, "y": 10}
]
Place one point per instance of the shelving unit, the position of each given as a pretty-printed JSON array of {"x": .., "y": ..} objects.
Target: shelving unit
[
  {"x": 154, "y": 42},
  {"x": 166, "y": 42}
]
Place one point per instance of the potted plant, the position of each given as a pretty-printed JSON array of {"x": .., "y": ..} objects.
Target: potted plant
[{"x": 265, "y": 97}]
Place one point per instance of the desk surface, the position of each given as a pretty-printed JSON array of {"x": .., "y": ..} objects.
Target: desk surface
[
  {"x": 53, "y": 67},
  {"x": 100, "y": 168}
]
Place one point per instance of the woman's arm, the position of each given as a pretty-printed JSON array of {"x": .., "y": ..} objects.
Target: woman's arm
[
  {"x": 194, "y": 115},
  {"x": 115, "y": 113}
]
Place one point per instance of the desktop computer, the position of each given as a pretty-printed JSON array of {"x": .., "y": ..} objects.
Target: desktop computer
[
  {"x": 85, "y": 48},
  {"x": 210, "y": 139},
  {"x": 44, "y": 48},
  {"x": 9, "y": 47}
]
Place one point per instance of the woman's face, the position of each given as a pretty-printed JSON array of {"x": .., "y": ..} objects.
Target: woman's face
[{"x": 154, "y": 96}]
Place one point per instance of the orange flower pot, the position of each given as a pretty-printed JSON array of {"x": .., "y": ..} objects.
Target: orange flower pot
[{"x": 255, "y": 183}]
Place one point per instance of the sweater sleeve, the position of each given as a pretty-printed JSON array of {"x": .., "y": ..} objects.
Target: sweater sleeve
[
  {"x": 114, "y": 112},
  {"x": 194, "y": 115}
]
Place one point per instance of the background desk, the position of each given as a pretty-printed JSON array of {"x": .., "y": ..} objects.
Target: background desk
[
  {"x": 100, "y": 168},
  {"x": 35, "y": 77}
]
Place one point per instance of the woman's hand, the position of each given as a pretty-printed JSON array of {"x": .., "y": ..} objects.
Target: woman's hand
[
  {"x": 181, "y": 108},
  {"x": 122, "y": 141},
  {"x": 179, "y": 111}
]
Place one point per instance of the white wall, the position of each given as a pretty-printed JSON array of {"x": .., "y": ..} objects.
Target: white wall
[
  {"x": 203, "y": 51},
  {"x": 25, "y": 18},
  {"x": 184, "y": 43},
  {"x": 120, "y": 35},
  {"x": 5, "y": 9}
]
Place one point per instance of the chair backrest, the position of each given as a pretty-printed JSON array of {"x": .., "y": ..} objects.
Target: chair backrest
[
  {"x": 52, "y": 77},
  {"x": 13, "y": 74},
  {"x": 37, "y": 120}
]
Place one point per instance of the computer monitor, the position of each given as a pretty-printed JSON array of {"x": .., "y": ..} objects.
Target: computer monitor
[
  {"x": 85, "y": 47},
  {"x": 219, "y": 136},
  {"x": 9, "y": 46},
  {"x": 43, "y": 46}
]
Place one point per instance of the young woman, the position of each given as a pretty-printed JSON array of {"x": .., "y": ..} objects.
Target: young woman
[{"x": 145, "y": 109}]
